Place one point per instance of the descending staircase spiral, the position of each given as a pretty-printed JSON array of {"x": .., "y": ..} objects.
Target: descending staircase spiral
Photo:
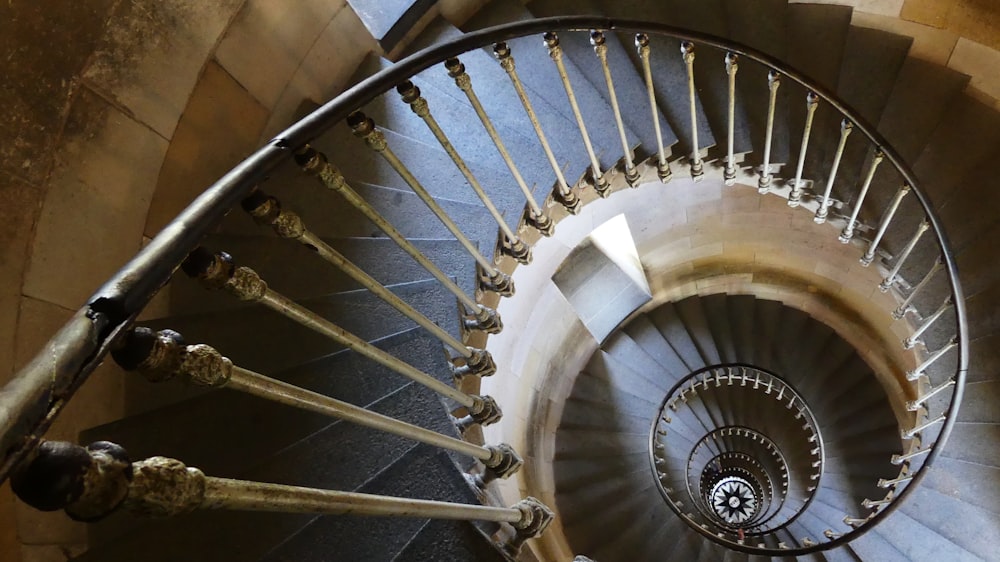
[
  {"x": 740, "y": 438},
  {"x": 713, "y": 426}
]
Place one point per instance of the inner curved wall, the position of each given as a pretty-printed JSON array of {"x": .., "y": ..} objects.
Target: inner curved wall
[{"x": 693, "y": 238}]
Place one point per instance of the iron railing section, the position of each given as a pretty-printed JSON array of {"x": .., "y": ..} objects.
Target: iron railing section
[
  {"x": 32, "y": 400},
  {"x": 763, "y": 381}
]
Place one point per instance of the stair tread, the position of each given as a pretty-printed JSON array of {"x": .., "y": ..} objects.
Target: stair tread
[
  {"x": 537, "y": 71},
  {"x": 449, "y": 540},
  {"x": 359, "y": 451},
  {"x": 898, "y": 529},
  {"x": 488, "y": 76},
  {"x": 761, "y": 24},
  {"x": 423, "y": 472},
  {"x": 622, "y": 347},
  {"x": 630, "y": 86},
  {"x": 358, "y": 312},
  {"x": 645, "y": 335},
  {"x": 398, "y": 204},
  {"x": 922, "y": 92},
  {"x": 298, "y": 273},
  {"x": 692, "y": 315},
  {"x": 669, "y": 324}
]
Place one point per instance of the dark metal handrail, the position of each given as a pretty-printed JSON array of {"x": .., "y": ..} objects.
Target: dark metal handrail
[{"x": 32, "y": 400}]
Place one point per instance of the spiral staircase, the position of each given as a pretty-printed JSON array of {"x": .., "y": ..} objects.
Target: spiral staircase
[{"x": 724, "y": 406}]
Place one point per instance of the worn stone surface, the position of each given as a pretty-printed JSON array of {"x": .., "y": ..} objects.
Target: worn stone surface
[
  {"x": 881, "y": 7},
  {"x": 152, "y": 54},
  {"x": 981, "y": 62},
  {"x": 929, "y": 43},
  {"x": 324, "y": 70},
  {"x": 291, "y": 32},
  {"x": 975, "y": 19},
  {"x": 102, "y": 181},
  {"x": 220, "y": 127},
  {"x": 9, "y": 543},
  {"x": 43, "y": 47},
  {"x": 21, "y": 203}
]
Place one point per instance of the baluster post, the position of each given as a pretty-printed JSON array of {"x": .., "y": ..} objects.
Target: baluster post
[
  {"x": 732, "y": 66},
  {"x": 598, "y": 41},
  {"x": 910, "y": 434},
  {"x": 687, "y": 52},
  {"x": 795, "y": 197},
  {"x": 824, "y": 205},
  {"x": 848, "y": 232},
  {"x": 914, "y": 405},
  {"x": 662, "y": 166},
  {"x": 919, "y": 369},
  {"x": 162, "y": 356},
  {"x": 562, "y": 192},
  {"x": 903, "y": 255},
  {"x": 266, "y": 210},
  {"x": 364, "y": 128},
  {"x": 315, "y": 163},
  {"x": 900, "y": 459},
  {"x": 869, "y": 256},
  {"x": 601, "y": 184},
  {"x": 218, "y": 271},
  {"x": 534, "y": 215},
  {"x": 93, "y": 482},
  {"x": 773, "y": 83},
  {"x": 911, "y": 341},
  {"x": 512, "y": 245},
  {"x": 905, "y": 305}
]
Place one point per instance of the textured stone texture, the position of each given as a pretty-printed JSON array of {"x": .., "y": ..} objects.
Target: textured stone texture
[
  {"x": 929, "y": 43},
  {"x": 291, "y": 31},
  {"x": 981, "y": 62},
  {"x": 974, "y": 19},
  {"x": 152, "y": 54},
  {"x": 44, "y": 46},
  {"x": 220, "y": 127},
  {"x": 16, "y": 231},
  {"x": 102, "y": 181},
  {"x": 324, "y": 70}
]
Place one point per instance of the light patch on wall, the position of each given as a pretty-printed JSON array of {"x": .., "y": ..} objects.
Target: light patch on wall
[{"x": 603, "y": 279}]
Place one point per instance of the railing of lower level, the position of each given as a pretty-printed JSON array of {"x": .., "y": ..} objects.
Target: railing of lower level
[{"x": 34, "y": 398}]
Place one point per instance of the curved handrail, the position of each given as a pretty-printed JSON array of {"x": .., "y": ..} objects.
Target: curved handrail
[
  {"x": 32, "y": 400},
  {"x": 692, "y": 379}
]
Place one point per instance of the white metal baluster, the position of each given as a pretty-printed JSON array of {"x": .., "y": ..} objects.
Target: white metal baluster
[
  {"x": 601, "y": 49},
  {"x": 217, "y": 271},
  {"x": 907, "y": 250},
  {"x": 848, "y": 232},
  {"x": 869, "y": 256},
  {"x": 563, "y": 193},
  {"x": 536, "y": 217},
  {"x": 732, "y": 66},
  {"x": 315, "y": 163},
  {"x": 555, "y": 53},
  {"x": 914, "y": 405},
  {"x": 513, "y": 245},
  {"x": 773, "y": 83},
  {"x": 642, "y": 46},
  {"x": 687, "y": 52},
  {"x": 919, "y": 369},
  {"x": 911, "y": 341},
  {"x": 795, "y": 197},
  {"x": 900, "y": 459},
  {"x": 902, "y": 308},
  {"x": 911, "y": 433},
  {"x": 845, "y": 129},
  {"x": 266, "y": 209}
]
